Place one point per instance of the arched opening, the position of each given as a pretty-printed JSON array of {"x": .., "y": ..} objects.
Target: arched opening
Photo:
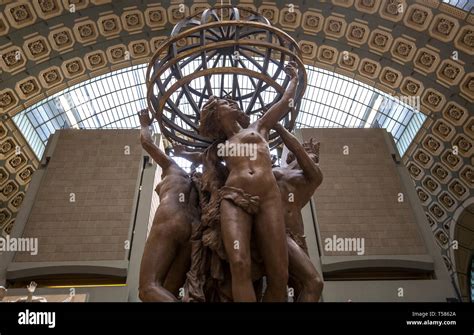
[
  {"x": 110, "y": 101},
  {"x": 463, "y": 256}
]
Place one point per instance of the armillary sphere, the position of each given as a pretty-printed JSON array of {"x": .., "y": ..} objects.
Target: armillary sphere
[{"x": 224, "y": 51}]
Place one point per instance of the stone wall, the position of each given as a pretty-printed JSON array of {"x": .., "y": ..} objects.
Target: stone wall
[
  {"x": 360, "y": 193},
  {"x": 86, "y": 202}
]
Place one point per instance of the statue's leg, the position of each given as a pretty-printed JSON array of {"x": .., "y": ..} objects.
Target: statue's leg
[
  {"x": 177, "y": 273},
  {"x": 195, "y": 276},
  {"x": 303, "y": 270},
  {"x": 236, "y": 229},
  {"x": 271, "y": 240},
  {"x": 158, "y": 255}
]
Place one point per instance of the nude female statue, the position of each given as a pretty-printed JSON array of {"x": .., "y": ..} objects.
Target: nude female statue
[
  {"x": 251, "y": 201},
  {"x": 167, "y": 254},
  {"x": 297, "y": 182}
]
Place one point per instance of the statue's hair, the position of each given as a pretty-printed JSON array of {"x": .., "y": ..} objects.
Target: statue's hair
[
  {"x": 312, "y": 147},
  {"x": 209, "y": 125}
]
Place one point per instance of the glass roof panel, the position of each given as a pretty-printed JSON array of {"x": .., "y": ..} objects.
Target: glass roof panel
[
  {"x": 112, "y": 101},
  {"x": 467, "y": 5}
]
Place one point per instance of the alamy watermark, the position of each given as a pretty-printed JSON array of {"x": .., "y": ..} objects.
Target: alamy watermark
[
  {"x": 37, "y": 318},
  {"x": 412, "y": 101},
  {"x": 22, "y": 244},
  {"x": 228, "y": 149},
  {"x": 335, "y": 243}
]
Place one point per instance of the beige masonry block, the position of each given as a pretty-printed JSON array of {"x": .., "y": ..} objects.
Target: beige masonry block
[
  {"x": 93, "y": 166},
  {"x": 358, "y": 197}
]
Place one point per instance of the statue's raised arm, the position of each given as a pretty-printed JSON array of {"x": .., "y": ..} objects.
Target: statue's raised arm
[
  {"x": 282, "y": 107},
  {"x": 311, "y": 172},
  {"x": 184, "y": 152},
  {"x": 148, "y": 144}
]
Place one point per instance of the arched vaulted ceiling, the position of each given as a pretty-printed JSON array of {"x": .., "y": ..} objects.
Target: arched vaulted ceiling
[{"x": 420, "y": 48}]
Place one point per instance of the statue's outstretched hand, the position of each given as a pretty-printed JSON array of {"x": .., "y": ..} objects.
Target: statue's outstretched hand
[
  {"x": 144, "y": 117},
  {"x": 291, "y": 69},
  {"x": 32, "y": 287}
]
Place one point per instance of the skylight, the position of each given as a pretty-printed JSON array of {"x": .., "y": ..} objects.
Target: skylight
[
  {"x": 112, "y": 101},
  {"x": 466, "y": 5}
]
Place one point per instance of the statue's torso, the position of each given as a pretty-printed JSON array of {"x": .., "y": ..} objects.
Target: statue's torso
[{"x": 250, "y": 168}]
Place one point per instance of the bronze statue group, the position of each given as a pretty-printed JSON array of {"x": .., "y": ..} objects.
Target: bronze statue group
[{"x": 233, "y": 232}]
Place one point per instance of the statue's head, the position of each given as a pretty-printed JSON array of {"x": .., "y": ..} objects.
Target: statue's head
[
  {"x": 311, "y": 148},
  {"x": 218, "y": 111}
]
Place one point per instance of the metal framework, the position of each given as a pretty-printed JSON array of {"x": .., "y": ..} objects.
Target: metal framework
[
  {"x": 226, "y": 46},
  {"x": 467, "y": 5}
]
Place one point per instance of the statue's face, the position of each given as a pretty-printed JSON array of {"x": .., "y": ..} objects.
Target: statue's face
[{"x": 227, "y": 112}]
